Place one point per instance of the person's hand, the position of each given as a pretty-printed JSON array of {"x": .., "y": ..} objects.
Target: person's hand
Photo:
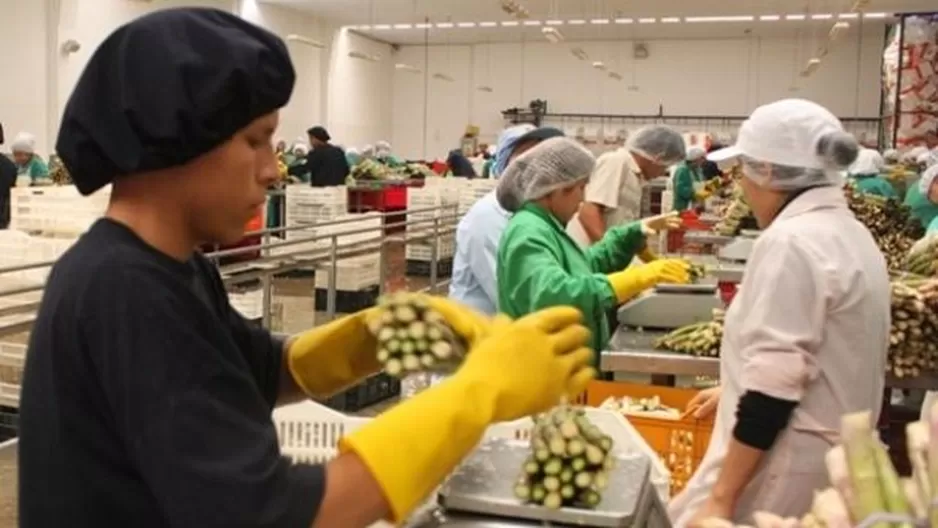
[
  {"x": 711, "y": 512},
  {"x": 636, "y": 279},
  {"x": 702, "y": 195},
  {"x": 704, "y": 403},
  {"x": 663, "y": 222}
]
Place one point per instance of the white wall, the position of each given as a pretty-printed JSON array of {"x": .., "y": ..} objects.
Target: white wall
[
  {"x": 687, "y": 77},
  {"x": 360, "y": 91}
]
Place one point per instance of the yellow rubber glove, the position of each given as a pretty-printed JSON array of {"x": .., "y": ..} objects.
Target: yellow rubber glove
[
  {"x": 522, "y": 368},
  {"x": 663, "y": 222},
  {"x": 636, "y": 279},
  {"x": 647, "y": 255},
  {"x": 331, "y": 357},
  {"x": 701, "y": 195}
]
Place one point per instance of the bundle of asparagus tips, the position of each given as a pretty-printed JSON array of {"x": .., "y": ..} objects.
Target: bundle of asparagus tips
[
  {"x": 696, "y": 272},
  {"x": 889, "y": 221},
  {"x": 923, "y": 258},
  {"x": 413, "y": 337},
  {"x": 912, "y": 346},
  {"x": 569, "y": 462},
  {"x": 731, "y": 219},
  {"x": 698, "y": 339}
]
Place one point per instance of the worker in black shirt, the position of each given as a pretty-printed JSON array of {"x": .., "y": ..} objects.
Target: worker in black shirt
[
  {"x": 326, "y": 163},
  {"x": 7, "y": 181},
  {"x": 146, "y": 398}
]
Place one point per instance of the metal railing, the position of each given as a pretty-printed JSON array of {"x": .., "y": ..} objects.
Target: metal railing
[{"x": 423, "y": 231}]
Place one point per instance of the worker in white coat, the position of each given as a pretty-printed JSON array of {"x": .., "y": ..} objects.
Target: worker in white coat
[{"x": 805, "y": 339}]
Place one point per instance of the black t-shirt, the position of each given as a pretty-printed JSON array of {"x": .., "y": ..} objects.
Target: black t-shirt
[
  {"x": 146, "y": 399},
  {"x": 327, "y": 166}
]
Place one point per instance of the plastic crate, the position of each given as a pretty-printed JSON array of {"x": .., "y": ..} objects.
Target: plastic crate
[
  {"x": 352, "y": 274},
  {"x": 680, "y": 444},
  {"x": 445, "y": 248},
  {"x": 250, "y": 304},
  {"x": 347, "y": 301},
  {"x": 347, "y": 223},
  {"x": 12, "y": 360},
  {"x": 376, "y": 389},
  {"x": 304, "y": 195},
  {"x": 421, "y": 268},
  {"x": 55, "y": 211},
  {"x": 9, "y": 423}
]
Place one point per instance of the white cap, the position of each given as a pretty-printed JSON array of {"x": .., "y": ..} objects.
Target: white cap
[{"x": 785, "y": 132}]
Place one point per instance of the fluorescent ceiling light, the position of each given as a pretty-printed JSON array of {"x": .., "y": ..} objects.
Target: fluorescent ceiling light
[
  {"x": 509, "y": 23},
  {"x": 599, "y": 21},
  {"x": 442, "y": 77},
  {"x": 741, "y": 18},
  {"x": 576, "y": 22},
  {"x": 444, "y": 25},
  {"x": 624, "y": 21},
  {"x": 646, "y": 20},
  {"x": 770, "y": 18},
  {"x": 812, "y": 66},
  {"x": 423, "y": 25},
  {"x": 305, "y": 40},
  {"x": 822, "y": 16},
  {"x": 363, "y": 28},
  {"x": 406, "y": 67},
  {"x": 875, "y": 15},
  {"x": 848, "y": 16},
  {"x": 795, "y": 17},
  {"x": 532, "y": 22},
  {"x": 403, "y": 26},
  {"x": 552, "y": 34},
  {"x": 600, "y": 65},
  {"x": 382, "y": 26},
  {"x": 554, "y": 22},
  {"x": 484, "y": 88},
  {"x": 466, "y": 24},
  {"x": 670, "y": 20},
  {"x": 488, "y": 24},
  {"x": 614, "y": 75},
  {"x": 363, "y": 56},
  {"x": 842, "y": 25}
]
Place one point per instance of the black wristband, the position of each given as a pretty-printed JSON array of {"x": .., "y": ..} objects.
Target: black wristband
[{"x": 760, "y": 418}]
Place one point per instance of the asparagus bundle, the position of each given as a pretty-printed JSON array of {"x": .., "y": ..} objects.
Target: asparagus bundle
[
  {"x": 891, "y": 224},
  {"x": 699, "y": 339},
  {"x": 912, "y": 345},
  {"x": 731, "y": 220},
  {"x": 369, "y": 169},
  {"x": 923, "y": 258},
  {"x": 697, "y": 272},
  {"x": 58, "y": 172},
  {"x": 413, "y": 337},
  {"x": 569, "y": 461}
]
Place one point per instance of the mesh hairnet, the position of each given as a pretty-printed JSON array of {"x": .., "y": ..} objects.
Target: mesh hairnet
[
  {"x": 506, "y": 143},
  {"x": 868, "y": 162},
  {"x": 368, "y": 151},
  {"x": 659, "y": 143},
  {"x": 891, "y": 155},
  {"x": 927, "y": 158},
  {"x": 552, "y": 164},
  {"x": 928, "y": 177},
  {"x": 837, "y": 150},
  {"x": 24, "y": 142},
  {"x": 695, "y": 152},
  {"x": 912, "y": 154}
]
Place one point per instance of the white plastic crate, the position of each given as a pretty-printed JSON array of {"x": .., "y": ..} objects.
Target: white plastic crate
[
  {"x": 18, "y": 248},
  {"x": 55, "y": 211},
  {"x": 12, "y": 359},
  {"x": 446, "y": 248},
  {"x": 302, "y": 194},
  {"x": 310, "y": 432},
  {"x": 250, "y": 304},
  {"x": 370, "y": 225},
  {"x": 352, "y": 274}
]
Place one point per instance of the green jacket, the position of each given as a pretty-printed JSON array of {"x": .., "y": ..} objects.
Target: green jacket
[
  {"x": 685, "y": 177},
  {"x": 922, "y": 208},
  {"x": 36, "y": 169},
  {"x": 874, "y": 184},
  {"x": 932, "y": 226},
  {"x": 540, "y": 266}
]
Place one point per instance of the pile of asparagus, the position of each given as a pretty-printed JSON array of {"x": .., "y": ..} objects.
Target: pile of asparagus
[
  {"x": 569, "y": 463},
  {"x": 923, "y": 258},
  {"x": 866, "y": 487},
  {"x": 699, "y": 339},
  {"x": 731, "y": 219},
  {"x": 890, "y": 223},
  {"x": 58, "y": 172},
  {"x": 413, "y": 337}
]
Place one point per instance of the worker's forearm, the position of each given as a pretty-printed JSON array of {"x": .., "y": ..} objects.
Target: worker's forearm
[
  {"x": 740, "y": 464},
  {"x": 289, "y": 391},
  {"x": 591, "y": 219},
  {"x": 353, "y": 498}
]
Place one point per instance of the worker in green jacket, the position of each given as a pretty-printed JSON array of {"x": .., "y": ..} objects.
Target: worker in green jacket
[
  {"x": 922, "y": 199},
  {"x": 539, "y": 265},
  {"x": 866, "y": 174},
  {"x": 688, "y": 180}
]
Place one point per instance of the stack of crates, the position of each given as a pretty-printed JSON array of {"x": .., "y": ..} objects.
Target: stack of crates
[
  {"x": 307, "y": 206},
  {"x": 443, "y": 196},
  {"x": 59, "y": 212},
  {"x": 357, "y": 277},
  {"x": 473, "y": 191},
  {"x": 250, "y": 303}
]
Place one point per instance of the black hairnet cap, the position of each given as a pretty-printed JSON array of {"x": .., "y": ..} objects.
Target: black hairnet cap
[
  {"x": 167, "y": 88},
  {"x": 319, "y": 133}
]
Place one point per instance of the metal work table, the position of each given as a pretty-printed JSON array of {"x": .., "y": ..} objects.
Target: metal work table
[
  {"x": 706, "y": 238},
  {"x": 631, "y": 351}
]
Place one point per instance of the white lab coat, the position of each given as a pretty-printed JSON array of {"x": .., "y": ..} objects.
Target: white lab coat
[
  {"x": 616, "y": 184},
  {"x": 809, "y": 324}
]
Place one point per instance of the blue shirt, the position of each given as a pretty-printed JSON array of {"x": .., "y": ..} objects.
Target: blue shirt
[{"x": 477, "y": 237}]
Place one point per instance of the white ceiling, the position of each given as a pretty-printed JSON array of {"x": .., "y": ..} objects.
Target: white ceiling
[{"x": 401, "y": 12}]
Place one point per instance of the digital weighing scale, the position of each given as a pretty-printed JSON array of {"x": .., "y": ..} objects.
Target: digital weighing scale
[
  {"x": 671, "y": 306},
  {"x": 740, "y": 248}
]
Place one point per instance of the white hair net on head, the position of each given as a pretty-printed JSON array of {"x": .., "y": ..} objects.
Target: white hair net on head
[
  {"x": 928, "y": 177},
  {"x": 868, "y": 162},
  {"x": 927, "y": 159},
  {"x": 695, "y": 152},
  {"x": 368, "y": 151},
  {"x": 836, "y": 150},
  {"x": 659, "y": 143},
  {"x": 552, "y": 164},
  {"x": 891, "y": 155},
  {"x": 911, "y": 155},
  {"x": 24, "y": 142}
]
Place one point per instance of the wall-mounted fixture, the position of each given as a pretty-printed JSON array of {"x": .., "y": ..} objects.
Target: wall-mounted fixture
[
  {"x": 442, "y": 77},
  {"x": 364, "y": 56},
  {"x": 599, "y": 65},
  {"x": 580, "y": 54},
  {"x": 813, "y": 64},
  {"x": 406, "y": 68},
  {"x": 484, "y": 88},
  {"x": 552, "y": 34},
  {"x": 306, "y": 41},
  {"x": 616, "y": 76},
  {"x": 70, "y": 46}
]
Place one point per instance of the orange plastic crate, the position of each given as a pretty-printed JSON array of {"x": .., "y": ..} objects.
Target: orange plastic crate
[{"x": 681, "y": 444}]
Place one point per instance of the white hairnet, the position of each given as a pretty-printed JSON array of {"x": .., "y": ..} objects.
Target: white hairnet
[
  {"x": 695, "y": 152},
  {"x": 659, "y": 143},
  {"x": 868, "y": 162},
  {"x": 352, "y": 151},
  {"x": 368, "y": 151},
  {"x": 836, "y": 149},
  {"x": 928, "y": 177},
  {"x": 891, "y": 155},
  {"x": 552, "y": 164},
  {"x": 382, "y": 149},
  {"x": 911, "y": 155},
  {"x": 24, "y": 142},
  {"x": 927, "y": 159}
]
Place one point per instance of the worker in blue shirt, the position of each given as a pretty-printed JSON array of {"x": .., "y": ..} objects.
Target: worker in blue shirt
[{"x": 479, "y": 231}]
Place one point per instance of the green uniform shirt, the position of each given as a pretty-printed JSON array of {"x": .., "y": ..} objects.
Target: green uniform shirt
[
  {"x": 685, "y": 177},
  {"x": 921, "y": 207},
  {"x": 540, "y": 266},
  {"x": 874, "y": 184}
]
